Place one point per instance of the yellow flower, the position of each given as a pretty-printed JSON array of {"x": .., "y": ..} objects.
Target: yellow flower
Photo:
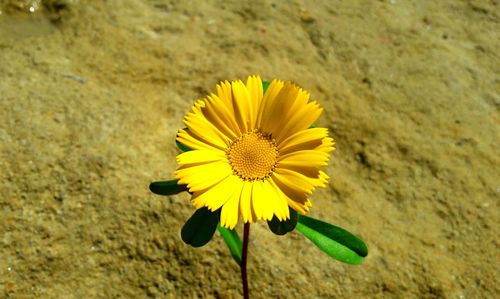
[{"x": 253, "y": 154}]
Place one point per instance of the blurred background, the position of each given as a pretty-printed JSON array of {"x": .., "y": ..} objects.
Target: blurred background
[{"x": 92, "y": 94}]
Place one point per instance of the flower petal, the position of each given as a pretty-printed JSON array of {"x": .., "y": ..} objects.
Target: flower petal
[
  {"x": 267, "y": 102},
  {"x": 254, "y": 87},
  {"x": 262, "y": 201},
  {"x": 200, "y": 156},
  {"x": 246, "y": 203},
  {"x": 242, "y": 104},
  {"x": 220, "y": 116},
  {"x": 217, "y": 195},
  {"x": 229, "y": 214},
  {"x": 225, "y": 93},
  {"x": 302, "y": 118},
  {"x": 300, "y": 207},
  {"x": 295, "y": 199},
  {"x": 204, "y": 130},
  {"x": 327, "y": 145},
  {"x": 311, "y": 158},
  {"x": 294, "y": 180},
  {"x": 280, "y": 201},
  {"x": 196, "y": 176},
  {"x": 257, "y": 200},
  {"x": 187, "y": 138},
  {"x": 322, "y": 180},
  {"x": 272, "y": 201},
  {"x": 303, "y": 140},
  {"x": 299, "y": 101},
  {"x": 277, "y": 106},
  {"x": 268, "y": 200}
]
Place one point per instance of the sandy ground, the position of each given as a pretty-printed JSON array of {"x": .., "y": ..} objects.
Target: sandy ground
[{"x": 93, "y": 92}]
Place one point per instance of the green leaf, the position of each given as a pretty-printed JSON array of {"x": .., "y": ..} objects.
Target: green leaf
[
  {"x": 283, "y": 227},
  {"x": 265, "y": 85},
  {"x": 181, "y": 146},
  {"x": 233, "y": 242},
  {"x": 200, "y": 228},
  {"x": 166, "y": 187},
  {"x": 333, "y": 240}
]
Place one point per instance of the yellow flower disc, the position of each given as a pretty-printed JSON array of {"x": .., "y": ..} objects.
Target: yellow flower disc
[{"x": 253, "y": 155}]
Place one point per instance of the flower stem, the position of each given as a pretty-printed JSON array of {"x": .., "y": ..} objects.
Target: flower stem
[{"x": 243, "y": 266}]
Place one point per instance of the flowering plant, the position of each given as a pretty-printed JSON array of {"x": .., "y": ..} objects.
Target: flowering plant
[{"x": 251, "y": 152}]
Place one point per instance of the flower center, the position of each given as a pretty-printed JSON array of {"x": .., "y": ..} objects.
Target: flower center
[{"x": 253, "y": 156}]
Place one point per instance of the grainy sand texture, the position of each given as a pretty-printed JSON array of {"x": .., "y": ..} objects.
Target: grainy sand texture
[{"x": 92, "y": 94}]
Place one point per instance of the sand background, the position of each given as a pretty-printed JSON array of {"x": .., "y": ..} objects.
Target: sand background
[{"x": 93, "y": 92}]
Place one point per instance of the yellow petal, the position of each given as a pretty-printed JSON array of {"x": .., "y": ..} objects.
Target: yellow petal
[
  {"x": 267, "y": 101},
  {"x": 254, "y": 87},
  {"x": 267, "y": 202},
  {"x": 289, "y": 191},
  {"x": 301, "y": 119},
  {"x": 202, "y": 176},
  {"x": 299, "y": 101},
  {"x": 301, "y": 207},
  {"x": 225, "y": 93},
  {"x": 280, "y": 201},
  {"x": 243, "y": 111},
  {"x": 309, "y": 203},
  {"x": 311, "y": 158},
  {"x": 297, "y": 206},
  {"x": 220, "y": 116},
  {"x": 322, "y": 179},
  {"x": 188, "y": 139},
  {"x": 258, "y": 204},
  {"x": 218, "y": 195},
  {"x": 246, "y": 203},
  {"x": 296, "y": 200},
  {"x": 326, "y": 145},
  {"x": 288, "y": 112},
  {"x": 229, "y": 213},
  {"x": 295, "y": 181},
  {"x": 273, "y": 118},
  {"x": 307, "y": 139},
  {"x": 200, "y": 157},
  {"x": 205, "y": 131},
  {"x": 318, "y": 179},
  {"x": 271, "y": 201}
]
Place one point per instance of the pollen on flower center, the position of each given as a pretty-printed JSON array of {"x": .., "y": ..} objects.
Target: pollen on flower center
[{"x": 253, "y": 156}]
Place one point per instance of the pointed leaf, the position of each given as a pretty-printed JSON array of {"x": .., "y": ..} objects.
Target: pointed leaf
[
  {"x": 233, "y": 242},
  {"x": 200, "y": 228},
  {"x": 283, "y": 227},
  {"x": 265, "y": 85},
  {"x": 182, "y": 147},
  {"x": 166, "y": 187},
  {"x": 333, "y": 240}
]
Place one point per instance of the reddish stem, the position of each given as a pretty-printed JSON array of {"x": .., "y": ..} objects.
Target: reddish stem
[{"x": 243, "y": 266}]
